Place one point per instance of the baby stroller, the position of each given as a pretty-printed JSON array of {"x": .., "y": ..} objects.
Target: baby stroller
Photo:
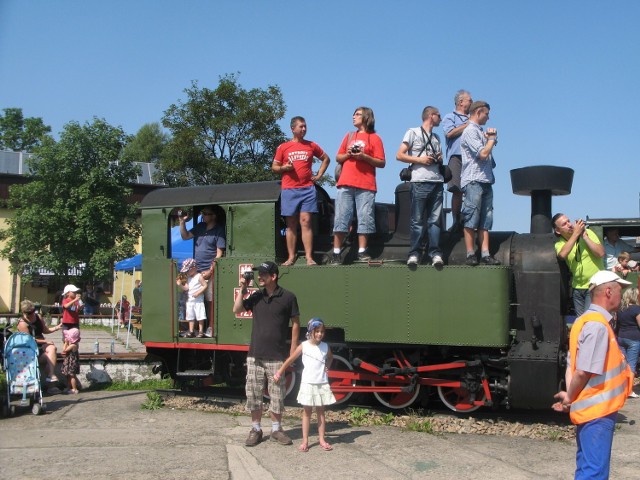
[{"x": 23, "y": 373}]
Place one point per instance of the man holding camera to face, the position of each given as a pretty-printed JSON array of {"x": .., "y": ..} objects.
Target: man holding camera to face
[
  {"x": 272, "y": 308},
  {"x": 421, "y": 149},
  {"x": 476, "y": 181}
]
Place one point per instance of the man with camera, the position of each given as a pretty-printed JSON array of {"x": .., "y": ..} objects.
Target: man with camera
[
  {"x": 272, "y": 308},
  {"x": 209, "y": 240},
  {"x": 421, "y": 149},
  {"x": 581, "y": 249},
  {"x": 476, "y": 181}
]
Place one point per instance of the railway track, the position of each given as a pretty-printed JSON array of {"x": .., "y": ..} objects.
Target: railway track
[{"x": 438, "y": 419}]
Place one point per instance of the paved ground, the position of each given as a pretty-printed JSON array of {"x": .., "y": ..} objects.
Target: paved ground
[{"x": 102, "y": 435}]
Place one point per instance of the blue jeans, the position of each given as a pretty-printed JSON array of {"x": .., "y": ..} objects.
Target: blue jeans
[
  {"x": 477, "y": 205},
  {"x": 581, "y": 300},
  {"x": 426, "y": 203},
  {"x": 594, "y": 448},
  {"x": 630, "y": 349},
  {"x": 364, "y": 201}
]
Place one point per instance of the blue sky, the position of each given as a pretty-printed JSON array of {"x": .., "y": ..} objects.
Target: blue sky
[{"x": 560, "y": 76}]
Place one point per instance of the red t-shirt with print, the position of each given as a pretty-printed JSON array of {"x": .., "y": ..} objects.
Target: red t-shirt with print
[
  {"x": 300, "y": 154},
  {"x": 358, "y": 173}
]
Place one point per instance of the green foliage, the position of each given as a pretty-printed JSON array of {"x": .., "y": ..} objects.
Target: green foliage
[
  {"x": 417, "y": 424},
  {"x": 359, "y": 416},
  {"x": 148, "y": 384},
  {"x": 154, "y": 401},
  {"x": 385, "y": 419},
  {"x": 147, "y": 145},
  {"x": 21, "y": 134},
  {"x": 226, "y": 135},
  {"x": 74, "y": 210}
]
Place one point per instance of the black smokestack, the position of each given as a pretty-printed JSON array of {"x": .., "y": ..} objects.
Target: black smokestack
[{"x": 541, "y": 183}]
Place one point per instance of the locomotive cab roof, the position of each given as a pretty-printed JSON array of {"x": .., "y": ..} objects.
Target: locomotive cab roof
[
  {"x": 627, "y": 227},
  {"x": 213, "y": 194}
]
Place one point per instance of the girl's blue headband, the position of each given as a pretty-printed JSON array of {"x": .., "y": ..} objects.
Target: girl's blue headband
[{"x": 313, "y": 324}]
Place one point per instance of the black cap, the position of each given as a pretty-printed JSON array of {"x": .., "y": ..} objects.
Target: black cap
[{"x": 267, "y": 267}]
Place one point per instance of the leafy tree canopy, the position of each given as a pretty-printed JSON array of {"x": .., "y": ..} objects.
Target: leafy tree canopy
[
  {"x": 75, "y": 209},
  {"x": 147, "y": 145},
  {"x": 226, "y": 135},
  {"x": 21, "y": 134}
]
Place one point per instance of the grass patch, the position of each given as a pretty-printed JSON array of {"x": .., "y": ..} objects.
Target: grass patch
[
  {"x": 154, "y": 401},
  {"x": 416, "y": 424},
  {"x": 386, "y": 419},
  {"x": 149, "y": 384}
]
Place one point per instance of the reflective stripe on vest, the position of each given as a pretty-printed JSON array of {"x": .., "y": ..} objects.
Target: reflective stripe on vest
[{"x": 604, "y": 393}]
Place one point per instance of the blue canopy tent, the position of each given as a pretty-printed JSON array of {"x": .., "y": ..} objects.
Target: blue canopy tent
[{"x": 180, "y": 250}]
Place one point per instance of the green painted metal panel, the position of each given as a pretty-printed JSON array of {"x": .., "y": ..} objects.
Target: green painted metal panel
[
  {"x": 388, "y": 303},
  {"x": 158, "y": 276},
  {"x": 251, "y": 228}
]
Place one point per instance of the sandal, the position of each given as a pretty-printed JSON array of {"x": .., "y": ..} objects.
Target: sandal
[
  {"x": 290, "y": 263},
  {"x": 311, "y": 263},
  {"x": 326, "y": 447},
  {"x": 303, "y": 448}
]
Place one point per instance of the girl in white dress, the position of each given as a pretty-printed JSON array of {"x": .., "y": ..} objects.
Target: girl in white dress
[{"x": 314, "y": 384}]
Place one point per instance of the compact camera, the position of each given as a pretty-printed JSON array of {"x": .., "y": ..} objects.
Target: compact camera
[
  {"x": 248, "y": 275},
  {"x": 355, "y": 148}
]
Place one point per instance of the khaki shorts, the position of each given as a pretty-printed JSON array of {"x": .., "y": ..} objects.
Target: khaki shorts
[{"x": 257, "y": 370}]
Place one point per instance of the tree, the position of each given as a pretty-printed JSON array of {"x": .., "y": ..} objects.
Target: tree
[
  {"x": 147, "y": 145},
  {"x": 74, "y": 211},
  {"x": 226, "y": 135},
  {"x": 21, "y": 134}
]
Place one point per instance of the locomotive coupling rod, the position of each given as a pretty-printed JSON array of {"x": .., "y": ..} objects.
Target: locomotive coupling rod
[{"x": 393, "y": 371}]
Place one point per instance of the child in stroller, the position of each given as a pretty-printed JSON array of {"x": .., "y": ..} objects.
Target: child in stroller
[{"x": 23, "y": 373}]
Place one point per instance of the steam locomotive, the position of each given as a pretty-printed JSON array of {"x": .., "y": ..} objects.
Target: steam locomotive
[{"x": 484, "y": 336}]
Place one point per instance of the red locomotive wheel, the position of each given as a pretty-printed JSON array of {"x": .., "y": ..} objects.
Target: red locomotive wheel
[
  {"x": 396, "y": 400},
  {"x": 342, "y": 365},
  {"x": 460, "y": 399}
]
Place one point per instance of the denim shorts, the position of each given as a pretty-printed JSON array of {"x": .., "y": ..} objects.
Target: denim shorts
[
  {"x": 364, "y": 202},
  {"x": 477, "y": 205},
  {"x": 296, "y": 200}
]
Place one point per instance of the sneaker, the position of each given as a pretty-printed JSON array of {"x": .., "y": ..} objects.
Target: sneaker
[
  {"x": 490, "y": 261},
  {"x": 335, "y": 259},
  {"x": 364, "y": 256},
  {"x": 634, "y": 395},
  {"x": 472, "y": 260},
  {"x": 254, "y": 438},
  {"x": 412, "y": 260},
  {"x": 436, "y": 261},
  {"x": 280, "y": 437}
]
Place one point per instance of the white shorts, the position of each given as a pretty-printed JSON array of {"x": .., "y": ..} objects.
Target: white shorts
[{"x": 196, "y": 311}]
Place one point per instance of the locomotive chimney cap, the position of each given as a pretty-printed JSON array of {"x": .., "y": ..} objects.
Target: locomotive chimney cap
[{"x": 556, "y": 180}]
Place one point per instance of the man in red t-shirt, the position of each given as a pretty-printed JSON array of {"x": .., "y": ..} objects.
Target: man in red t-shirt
[{"x": 294, "y": 161}]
